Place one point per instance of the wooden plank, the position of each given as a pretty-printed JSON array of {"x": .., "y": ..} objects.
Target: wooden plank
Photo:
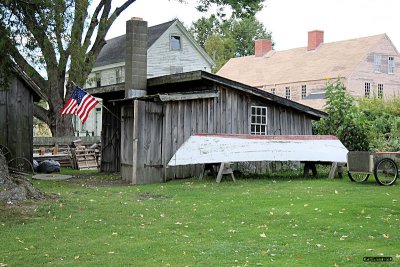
[
  {"x": 228, "y": 115},
  {"x": 187, "y": 96}
]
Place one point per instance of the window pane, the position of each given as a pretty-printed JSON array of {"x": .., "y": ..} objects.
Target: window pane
[{"x": 175, "y": 42}]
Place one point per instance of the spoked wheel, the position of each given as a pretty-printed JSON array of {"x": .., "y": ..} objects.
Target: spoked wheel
[
  {"x": 20, "y": 166},
  {"x": 358, "y": 177},
  {"x": 386, "y": 172},
  {"x": 6, "y": 152}
]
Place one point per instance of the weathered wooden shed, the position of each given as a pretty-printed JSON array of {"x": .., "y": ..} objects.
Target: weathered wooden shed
[
  {"x": 180, "y": 105},
  {"x": 157, "y": 115},
  {"x": 16, "y": 114}
]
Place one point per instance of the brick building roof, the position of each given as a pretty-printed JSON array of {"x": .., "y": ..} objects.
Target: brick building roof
[{"x": 328, "y": 60}]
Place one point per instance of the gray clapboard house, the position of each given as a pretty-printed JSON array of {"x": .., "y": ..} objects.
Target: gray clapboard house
[
  {"x": 16, "y": 114},
  {"x": 170, "y": 49},
  {"x": 159, "y": 114}
]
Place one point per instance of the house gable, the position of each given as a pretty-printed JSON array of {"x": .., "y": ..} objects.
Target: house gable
[
  {"x": 162, "y": 60},
  {"x": 372, "y": 71}
]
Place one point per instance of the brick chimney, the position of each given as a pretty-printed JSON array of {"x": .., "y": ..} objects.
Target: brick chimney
[
  {"x": 136, "y": 58},
  {"x": 262, "y": 47},
  {"x": 315, "y": 38}
]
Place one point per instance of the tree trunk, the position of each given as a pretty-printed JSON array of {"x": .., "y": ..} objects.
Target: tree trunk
[{"x": 61, "y": 125}]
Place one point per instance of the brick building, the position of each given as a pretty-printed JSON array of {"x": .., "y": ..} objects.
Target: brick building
[{"x": 367, "y": 67}]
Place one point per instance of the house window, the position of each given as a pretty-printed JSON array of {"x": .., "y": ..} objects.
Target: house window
[
  {"x": 118, "y": 75},
  {"x": 303, "y": 91},
  {"x": 391, "y": 65},
  {"x": 380, "y": 90},
  {"x": 273, "y": 91},
  {"x": 175, "y": 42},
  {"x": 367, "y": 90},
  {"x": 98, "y": 79},
  {"x": 377, "y": 62},
  {"x": 258, "y": 125},
  {"x": 287, "y": 89}
]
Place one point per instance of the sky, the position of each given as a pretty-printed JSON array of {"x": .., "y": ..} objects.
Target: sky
[{"x": 288, "y": 20}]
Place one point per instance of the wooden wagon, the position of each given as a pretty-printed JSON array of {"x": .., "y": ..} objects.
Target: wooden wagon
[{"x": 384, "y": 166}]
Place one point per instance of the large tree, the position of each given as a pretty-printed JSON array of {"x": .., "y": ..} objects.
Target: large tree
[
  {"x": 224, "y": 39},
  {"x": 47, "y": 37}
]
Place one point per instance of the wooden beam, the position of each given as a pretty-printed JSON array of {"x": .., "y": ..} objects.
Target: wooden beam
[{"x": 190, "y": 96}]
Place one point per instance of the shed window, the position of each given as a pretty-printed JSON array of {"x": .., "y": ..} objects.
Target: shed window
[
  {"x": 175, "y": 42},
  {"x": 258, "y": 124},
  {"x": 303, "y": 91},
  {"x": 380, "y": 90},
  {"x": 287, "y": 89},
  {"x": 367, "y": 89},
  {"x": 377, "y": 62},
  {"x": 273, "y": 91},
  {"x": 391, "y": 65}
]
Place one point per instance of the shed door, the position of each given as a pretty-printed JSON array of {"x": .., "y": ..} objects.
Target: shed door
[{"x": 148, "y": 129}]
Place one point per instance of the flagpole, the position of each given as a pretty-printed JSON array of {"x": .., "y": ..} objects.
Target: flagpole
[{"x": 101, "y": 104}]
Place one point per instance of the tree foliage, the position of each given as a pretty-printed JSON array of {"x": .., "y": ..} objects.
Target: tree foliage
[
  {"x": 361, "y": 124},
  {"x": 344, "y": 119},
  {"x": 225, "y": 39},
  {"x": 47, "y": 37}
]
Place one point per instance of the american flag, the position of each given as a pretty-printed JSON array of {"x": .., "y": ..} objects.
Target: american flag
[{"x": 80, "y": 103}]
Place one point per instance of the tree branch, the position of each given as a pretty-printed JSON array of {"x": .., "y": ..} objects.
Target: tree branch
[{"x": 41, "y": 113}]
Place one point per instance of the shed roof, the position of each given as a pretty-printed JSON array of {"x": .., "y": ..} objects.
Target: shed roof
[
  {"x": 38, "y": 94},
  {"x": 168, "y": 83},
  {"x": 114, "y": 50},
  {"x": 329, "y": 60}
]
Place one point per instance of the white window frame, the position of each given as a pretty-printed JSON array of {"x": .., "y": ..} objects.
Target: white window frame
[
  {"x": 367, "y": 90},
  {"x": 391, "y": 65},
  {"x": 259, "y": 120},
  {"x": 180, "y": 42},
  {"x": 377, "y": 62},
  {"x": 287, "y": 93},
  {"x": 303, "y": 91},
  {"x": 98, "y": 79},
  {"x": 380, "y": 90},
  {"x": 273, "y": 91},
  {"x": 119, "y": 78}
]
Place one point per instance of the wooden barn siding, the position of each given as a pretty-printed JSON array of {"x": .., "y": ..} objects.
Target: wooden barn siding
[
  {"x": 16, "y": 119},
  {"x": 230, "y": 113},
  {"x": 110, "y": 139}
]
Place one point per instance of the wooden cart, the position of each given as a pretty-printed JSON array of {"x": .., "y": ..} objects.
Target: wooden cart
[{"x": 384, "y": 166}]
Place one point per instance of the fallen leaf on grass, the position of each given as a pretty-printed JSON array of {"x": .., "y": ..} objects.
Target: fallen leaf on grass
[
  {"x": 76, "y": 257},
  {"x": 263, "y": 235},
  {"x": 178, "y": 223},
  {"x": 386, "y": 235},
  {"x": 343, "y": 237}
]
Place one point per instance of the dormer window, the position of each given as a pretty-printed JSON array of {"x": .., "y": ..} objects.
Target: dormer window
[
  {"x": 175, "y": 42},
  {"x": 391, "y": 65}
]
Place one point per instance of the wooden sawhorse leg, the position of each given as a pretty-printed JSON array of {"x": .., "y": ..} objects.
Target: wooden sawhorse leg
[{"x": 225, "y": 168}]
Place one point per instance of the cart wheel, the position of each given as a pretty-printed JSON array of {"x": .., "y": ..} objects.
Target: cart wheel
[
  {"x": 385, "y": 172},
  {"x": 358, "y": 177},
  {"x": 20, "y": 165}
]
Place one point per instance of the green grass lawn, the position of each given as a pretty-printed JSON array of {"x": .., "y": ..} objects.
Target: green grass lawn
[{"x": 273, "y": 221}]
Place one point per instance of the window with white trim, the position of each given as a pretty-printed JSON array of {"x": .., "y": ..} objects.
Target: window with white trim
[
  {"x": 175, "y": 42},
  {"x": 391, "y": 65},
  {"x": 287, "y": 92},
  {"x": 377, "y": 62},
  {"x": 367, "y": 90},
  {"x": 258, "y": 125},
  {"x": 98, "y": 79},
  {"x": 118, "y": 75},
  {"x": 273, "y": 91},
  {"x": 380, "y": 90},
  {"x": 303, "y": 91}
]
